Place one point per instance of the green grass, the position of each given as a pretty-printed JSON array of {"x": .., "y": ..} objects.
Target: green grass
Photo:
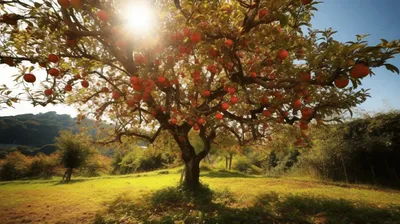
[{"x": 48, "y": 201}]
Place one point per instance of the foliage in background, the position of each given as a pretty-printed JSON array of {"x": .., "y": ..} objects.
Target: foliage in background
[
  {"x": 136, "y": 156},
  {"x": 362, "y": 151}
]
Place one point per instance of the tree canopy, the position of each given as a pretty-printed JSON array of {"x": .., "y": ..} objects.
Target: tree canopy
[{"x": 239, "y": 67}]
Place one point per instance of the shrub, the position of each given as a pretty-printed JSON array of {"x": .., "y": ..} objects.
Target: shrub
[
  {"x": 16, "y": 166},
  {"x": 242, "y": 164},
  {"x": 140, "y": 160},
  {"x": 44, "y": 166}
]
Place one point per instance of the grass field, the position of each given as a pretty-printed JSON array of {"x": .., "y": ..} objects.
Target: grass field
[{"x": 48, "y": 201}]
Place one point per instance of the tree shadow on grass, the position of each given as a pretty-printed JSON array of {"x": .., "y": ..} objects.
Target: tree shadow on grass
[
  {"x": 73, "y": 181},
  {"x": 29, "y": 181},
  {"x": 171, "y": 205},
  {"x": 225, "y": 174}
]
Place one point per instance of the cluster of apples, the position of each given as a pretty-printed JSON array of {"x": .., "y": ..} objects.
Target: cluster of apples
[
  {"x": 54, "y": 72},
  {"x": 358, "y": 71}
]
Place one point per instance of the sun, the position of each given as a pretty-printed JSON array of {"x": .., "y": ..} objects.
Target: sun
[{"x": 140, "y": 17}]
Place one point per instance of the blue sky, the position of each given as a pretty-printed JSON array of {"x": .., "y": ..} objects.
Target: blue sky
[{"x": 380, "y": 18}]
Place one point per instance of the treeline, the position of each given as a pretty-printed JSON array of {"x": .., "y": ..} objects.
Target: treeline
[{"x": 364, "y": 151}]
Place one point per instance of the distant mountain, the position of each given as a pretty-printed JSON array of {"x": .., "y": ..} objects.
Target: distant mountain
[
  {"x": 34, "y": 130},
  {"x": 31, "y": 133}
]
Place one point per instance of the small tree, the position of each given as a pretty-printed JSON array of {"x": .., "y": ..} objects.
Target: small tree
[
  {"x": 238, "y": 66},
  {"x": 227, "y": 146},
  {"x": 74, "y": 152}
]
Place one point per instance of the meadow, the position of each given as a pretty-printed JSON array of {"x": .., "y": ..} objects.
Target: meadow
[{"x": 283, "y": 199}]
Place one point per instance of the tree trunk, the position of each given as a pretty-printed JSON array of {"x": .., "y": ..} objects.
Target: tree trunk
[
  {"x": 230, "y": 161},
  {"x": 67, "y": 175},
  {"x": 226, "y": 162},
  {"x": 192, "y": 173},
  {"x": 344, "y": 168},
  {"x": 373, "y": 175},
  {"x": 189, "y": 156}
]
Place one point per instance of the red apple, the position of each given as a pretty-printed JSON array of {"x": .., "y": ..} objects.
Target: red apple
[
  {"x": 262, "y": 13},
  {"x": 234, "y": 99},
  {"x": 53, "y": 58},
  {"x": 297, "y": 104},
  {"x": 54, "y": 72},
  {"x": 68, "y": 88},
  {"x": 64, "y": 3},
  {"x": 201, "y": 121},
  {"x": 195, "y": 37},
  {"x": 341, "y": 82},
  {"x": 282, "y": 55},
  {"x": 231, "y": 90},
  {"x": 305, "y": 76},
  {"x": 77, "y": 4},
  {"x": 303, "y": 125},
  {"x": 173, "y": 121},
  {"x": 359, "y": 71},
  {"x": 48, "y": 92},
  {"x": 219, "y": 116},
  {"x": 29, "y": 78},
  {"x": 225, "y": 106},
  {"x": 116, "y": 95},
  {"x": 307, "y": 113},
  {"x": 161, "y": 79},
  {"x": 206, "y": 93},
  {"x": 267, "y": 113},
  {"x": 264, "y": 100},
  {"x": 105, "y": 90},
  {"x": 85, "y": 83},
  {"x": 229, "y": 43}
]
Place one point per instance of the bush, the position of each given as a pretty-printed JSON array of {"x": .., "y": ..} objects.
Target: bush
[
  {"x": 242, "y": 164},
  {"x": 142, "y": 160},
  {"x": 15, "y": 166},
  {"x": 96, "y": 165},
  {"x": 44, "y": 166}
]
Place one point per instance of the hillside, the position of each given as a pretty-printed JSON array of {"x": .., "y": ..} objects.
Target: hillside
[
  {"x": 34, "y": 130},
  {"x": 29, "y": 133}
]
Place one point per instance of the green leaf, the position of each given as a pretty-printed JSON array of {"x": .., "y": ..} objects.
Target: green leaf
[
  {"x": 392, "y": 68},
  {"x": 354, "y": 82},
  {"x": 283, "y": 20},
  {"x": 360, "y": 37}
]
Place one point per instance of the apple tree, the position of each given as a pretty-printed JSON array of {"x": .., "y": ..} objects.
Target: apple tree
[{"x": 244, "y": 67}]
